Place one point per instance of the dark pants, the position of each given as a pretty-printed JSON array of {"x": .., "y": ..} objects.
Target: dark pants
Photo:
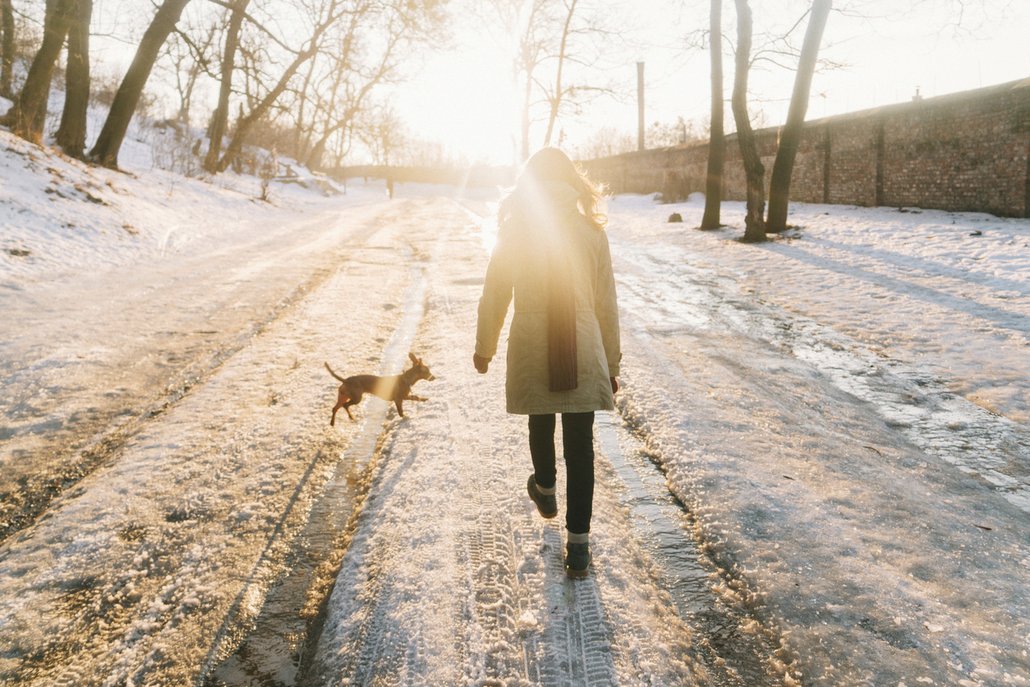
[{"x": 578, "y": 447}]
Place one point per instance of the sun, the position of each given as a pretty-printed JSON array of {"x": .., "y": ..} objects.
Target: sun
[{"x": 466, "y": 100}]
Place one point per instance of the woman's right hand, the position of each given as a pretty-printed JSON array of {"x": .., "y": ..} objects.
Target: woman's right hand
[
  {"x": 615, "y": 385},
  {"x": 482, "y": 364}
]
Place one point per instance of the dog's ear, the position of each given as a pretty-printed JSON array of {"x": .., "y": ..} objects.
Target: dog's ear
[{"x": 413, "y": 358}]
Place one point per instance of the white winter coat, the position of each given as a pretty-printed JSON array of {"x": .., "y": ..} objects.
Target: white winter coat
[{"x": 518, "y": 267}]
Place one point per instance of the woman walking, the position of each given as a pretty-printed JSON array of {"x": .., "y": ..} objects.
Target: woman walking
[{"x": 563, "y": 348}]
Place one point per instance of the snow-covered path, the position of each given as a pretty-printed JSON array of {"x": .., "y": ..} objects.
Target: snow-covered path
[
  {"x": 160, "y": 566},
  {"x": 780, "y": 500},
  {"x": 835, "y": 453},
  {"x": 452, "y": 578},
  {"x": 148, "y": 564},
  {"x": 88, "y": 357}
]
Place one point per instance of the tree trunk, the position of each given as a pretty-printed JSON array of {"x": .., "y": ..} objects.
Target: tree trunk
[
  {"x": 7, "y": 48},
  {"x": 558, "y": 88},
  {"x": 717, "y": 138},
  {"x": 790, "y": 136},
  {"x": 313, "y": 157},
  {"x": 526, "y": 63},
  {"x": 313, "y": 160},
  {"x": 27, "y": 116},
  {"x": 186, "y": 98},
  {"x": 302, "y": 135},
  {"x": 220, "y": 119},
  {"x": 71, "y": 135},
  {"x": 192, "y": 75},
  {"x": 262, "y": 107},
  {"x": 754, "y": 221},
  {"x": 105, "y": 151},
  {"x": 524, "y": 123}
]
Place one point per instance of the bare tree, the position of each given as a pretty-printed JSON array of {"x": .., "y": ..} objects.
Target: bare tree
[
  {"x": 330, "y": 94},
  {"x": 27, "y": 115},
  {"x": 220, "y": 118},
  {"x": 361, "y": 66},
  {"x": 305, "y": 99},
  {"x": 6, "y": 47},
  {"x": 717, "y": 137},
  {"x": 555, "y": 40},
  {"x": 189, "y": 58},
  {"x": 605, "y": 142},
  {"x": 530, "y": 53},
  {"x": 557, "y": 94},
  {"x": 71, "y": 134},
  {"x": 109, "y": 142},
  {"x": 754, "y": 170},
  {"x": 383, "y": 134},
  {"x": 329, "y": 12},
  {"x": 790, "y": 135}
]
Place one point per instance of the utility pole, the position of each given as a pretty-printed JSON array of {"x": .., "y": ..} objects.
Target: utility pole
[{"x": 640, "y": 105}]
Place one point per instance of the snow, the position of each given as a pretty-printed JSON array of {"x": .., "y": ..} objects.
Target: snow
[
  {"x": 837, "y": 451},
  {"x": 817, "y": 473}
]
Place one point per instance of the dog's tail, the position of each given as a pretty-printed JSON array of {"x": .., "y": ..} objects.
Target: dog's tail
[{"x": 333, "y": 373}]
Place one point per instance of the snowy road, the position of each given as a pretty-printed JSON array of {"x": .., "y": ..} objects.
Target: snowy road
[
  {"x": 201, "y": 543},
  {"x": 87, "y": 359},
  {"x": 778, "y": 502},
  {"x": 835, "y": 451},
  {"x": 132, "y": 568}
]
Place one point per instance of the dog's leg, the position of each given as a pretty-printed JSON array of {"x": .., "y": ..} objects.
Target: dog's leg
[
  {"x": 417, "y": 398},
  {"x": 400, "y": 409},
  {"x": 342, "y": 399},
  {"x": 352, "y": 399}
]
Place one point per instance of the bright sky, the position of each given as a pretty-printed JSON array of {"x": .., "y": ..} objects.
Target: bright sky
[{"x": 464, "y": 98}]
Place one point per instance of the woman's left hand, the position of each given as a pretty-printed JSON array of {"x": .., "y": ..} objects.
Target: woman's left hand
[{"x": 615, "y": 385}]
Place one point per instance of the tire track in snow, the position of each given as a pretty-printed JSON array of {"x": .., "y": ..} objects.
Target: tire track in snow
[
  {"x": 797, "y": 483},
  {"x": 977, "y": 442},
  {"x": 383, "y": 625},
  {"x": 508, "y": 559},
  {"x": 280, "y": 644},
  {"x": 587, "y": 638},
  {"x": 574, "y": 636},
  {"x": 77, "y": 452},
  {"x": 733, "y": 657},
  {"x": 488, "y": 553},
  {"x": 130, "y": 576}
]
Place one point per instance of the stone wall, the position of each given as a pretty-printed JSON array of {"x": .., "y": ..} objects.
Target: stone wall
[
  {"x": 455, "y": 176},
  {"x": 966, "y": 151}
]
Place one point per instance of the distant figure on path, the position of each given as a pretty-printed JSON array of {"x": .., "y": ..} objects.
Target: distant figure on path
[
  {"x": 389, "y": 186},
  {"x": 563, "y": 349}
]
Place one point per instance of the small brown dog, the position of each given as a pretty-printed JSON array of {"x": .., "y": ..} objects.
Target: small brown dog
[{"x": 396, "y": 388}]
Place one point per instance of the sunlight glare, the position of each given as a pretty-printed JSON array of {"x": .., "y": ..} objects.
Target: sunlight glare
[
  {"x": 488, "y": 228},
  {"x": 467, "y": 101}
]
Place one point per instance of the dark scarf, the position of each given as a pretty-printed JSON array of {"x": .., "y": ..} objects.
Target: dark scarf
[
  {"x": 562, "y": 374},
  {"x": 550, "y": 213}
]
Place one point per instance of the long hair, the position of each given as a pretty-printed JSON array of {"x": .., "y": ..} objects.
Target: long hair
[{"x": 545, "y": 168}]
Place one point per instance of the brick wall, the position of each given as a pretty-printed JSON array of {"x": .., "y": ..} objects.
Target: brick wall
[{"x": 966, "y": 151}]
